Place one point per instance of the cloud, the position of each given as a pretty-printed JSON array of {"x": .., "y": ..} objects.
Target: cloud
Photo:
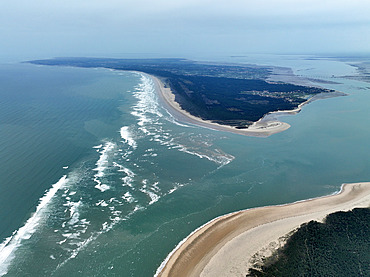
[{"x": 179, "y": 25}]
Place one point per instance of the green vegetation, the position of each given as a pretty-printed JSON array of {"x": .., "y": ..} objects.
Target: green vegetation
[
  {"x": 235, "y": 95},
  {"x": 338, "y": 247},
  {"x": 237, "y": 102}
]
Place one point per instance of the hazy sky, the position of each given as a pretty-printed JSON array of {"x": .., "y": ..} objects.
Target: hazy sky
[{"x": 47, "y": 28}]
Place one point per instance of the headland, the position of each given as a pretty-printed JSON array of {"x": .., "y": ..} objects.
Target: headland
[
  {"x": 238, "y": 98},
  {"x": 261, "y": 128}
]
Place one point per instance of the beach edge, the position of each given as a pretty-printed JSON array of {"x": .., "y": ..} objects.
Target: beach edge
[
  {"x": 215, "y": 246},
  {"x": 261, "y": 128}
]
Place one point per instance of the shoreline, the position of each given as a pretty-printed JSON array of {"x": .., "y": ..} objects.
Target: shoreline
[
  {"x": 225, "y": 245},
  {"x": 261, "y": 128},
  {"x": 264, "y": 127}
]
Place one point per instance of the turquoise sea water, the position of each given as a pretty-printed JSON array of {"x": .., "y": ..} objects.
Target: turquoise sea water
[{"x": 97, "y": 179}]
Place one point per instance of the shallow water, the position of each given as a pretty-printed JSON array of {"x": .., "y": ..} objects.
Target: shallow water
[{"x": 98, "y": 179}]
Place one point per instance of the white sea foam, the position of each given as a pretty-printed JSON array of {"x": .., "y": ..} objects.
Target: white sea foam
[
  {"x": 137, "y": 208},
  {"x": 9, "y": 246},
  {"x": 75, "y": 252},
  {"x": 73, "y": 211},
  {"x": 106, "y": 226},
  {"x": 149, "y": 115},
  {"x": 128, "y": 197},
  {"x": 147, "y": 105},
  {"x": 215, "y": 156},
  {"x": 155, "y": 187},
  {"x": 126, "y": 135},
  {"x": 102, "y": 203},
  {"x": 101, "y": 165},
  {"x": 73, "y": 227},
  {"x": 177, "y": 186},
  {"x": 174, "y": 121},
  {"x": 102, "y": 187},
  {"x": 153, "y": 196},
  {"x": 61, "y": 242},
  {"x": 103, "y": 159},
  {"x": 128, "y": 179}
]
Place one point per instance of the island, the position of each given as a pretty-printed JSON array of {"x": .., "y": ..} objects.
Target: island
[{"x": 228, "y": 97}]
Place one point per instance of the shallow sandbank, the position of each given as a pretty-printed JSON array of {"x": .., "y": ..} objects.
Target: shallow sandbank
[{"x": 225, "y": 245}]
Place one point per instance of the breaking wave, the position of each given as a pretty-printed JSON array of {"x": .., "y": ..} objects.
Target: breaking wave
[
  {"x": 150, "y": 122},
  {"x": 10, "y": 245},
  {"x": 117, "y": 181}
]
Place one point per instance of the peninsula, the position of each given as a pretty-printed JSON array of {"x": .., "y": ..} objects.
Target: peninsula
[{"x": 227, "y": 97}]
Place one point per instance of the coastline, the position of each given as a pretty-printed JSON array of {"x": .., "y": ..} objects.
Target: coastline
[
  {"x": 262, "y": 128},
  {"x": 225, "y": 245}
]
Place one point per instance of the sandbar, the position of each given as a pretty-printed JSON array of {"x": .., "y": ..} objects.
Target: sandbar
[{"x": 225, "y": 245}]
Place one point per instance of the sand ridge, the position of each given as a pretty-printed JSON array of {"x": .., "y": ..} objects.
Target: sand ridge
[{"x": 225, "y": 245}]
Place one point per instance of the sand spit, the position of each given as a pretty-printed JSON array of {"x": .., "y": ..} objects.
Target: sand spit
[{"x": 226, "y": 245}]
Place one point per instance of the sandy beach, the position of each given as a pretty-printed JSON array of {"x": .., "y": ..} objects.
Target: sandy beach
[
  {"x": 226, "y": 245},
  {"x": 262, "y": 128}
]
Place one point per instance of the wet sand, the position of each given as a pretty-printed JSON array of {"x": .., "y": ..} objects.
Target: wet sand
[{"x": 226, "y": 245}]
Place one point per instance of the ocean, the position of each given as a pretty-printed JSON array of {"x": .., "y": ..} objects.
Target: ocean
[{"x": 98, "y": 179}]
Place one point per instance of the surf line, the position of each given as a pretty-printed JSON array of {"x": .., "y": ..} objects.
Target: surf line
[{"x": 11, "y": 243}]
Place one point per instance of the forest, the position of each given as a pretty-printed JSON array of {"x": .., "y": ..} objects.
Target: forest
[
  {"x": 338, "y": 247},
  {"x": 228, "y": 94}
]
